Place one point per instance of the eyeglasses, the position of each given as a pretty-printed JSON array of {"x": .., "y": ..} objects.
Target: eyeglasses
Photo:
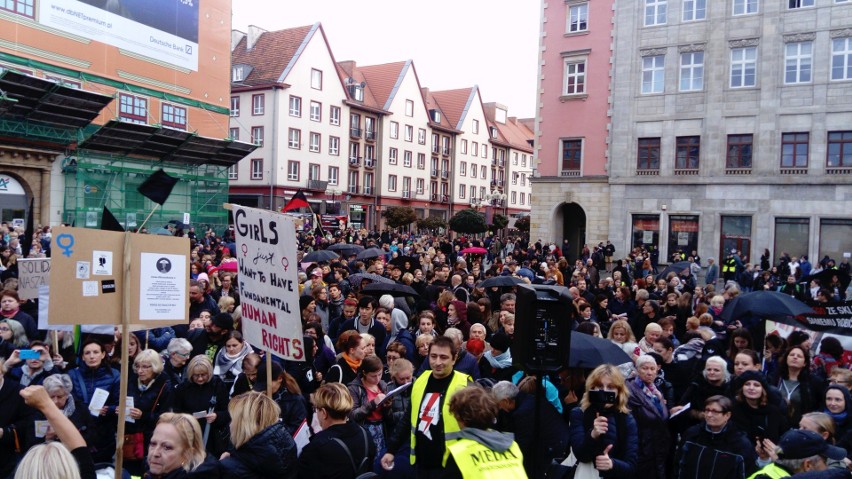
[
  {"x": 4, "y": 329},
  {"x": 183, "y": 355},
  {"x": 714, "y": 411}
]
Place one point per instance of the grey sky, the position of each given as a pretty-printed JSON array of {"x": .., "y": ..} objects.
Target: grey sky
[{"x": 454, "y": 43}]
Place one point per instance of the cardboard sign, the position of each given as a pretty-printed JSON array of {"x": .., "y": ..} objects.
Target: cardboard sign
[
  {"x": 269, "y": 285},
  {"x": 32, "y": 273}
]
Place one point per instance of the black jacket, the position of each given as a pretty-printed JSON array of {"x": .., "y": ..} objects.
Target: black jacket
[
  {"x": 325, "y": 458},
  {"x": 153, "y": 401},
  {"x": 727, "y": 454},
  {"x": 14, "y": 417},
  {"x": 270, "y": 454},
  {"x": 209, "y": 469},
  {"x": 654, "y": 437},
  {"x": 190, "y": 397}
]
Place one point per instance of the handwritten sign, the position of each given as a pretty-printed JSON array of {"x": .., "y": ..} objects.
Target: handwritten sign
[
  {"x": 269, "y": 287},
  {"x": 32, "y": 273}
]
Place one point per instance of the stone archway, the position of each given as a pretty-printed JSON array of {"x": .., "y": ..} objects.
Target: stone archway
[
  {"x": 15, "y": 194},
  {"x": 570, "y": 223}
]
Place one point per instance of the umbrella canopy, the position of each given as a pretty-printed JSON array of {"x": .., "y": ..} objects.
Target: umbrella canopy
[
  {"x": 163, "y": 232},
  {"x": 764, "y": 304},
  {"x": 589, "y": 352},
  {"x": 320, "y": 256},
  {"x": 179, "y": 224},
  {"x": 346, "y": 249},
  {"x": 355, "y": 279},
  {"x": 370, "y": 253},
  {"x": 393, "y": 289},
  {"x": 676, "y": 268},
  {"x": 474, "y": 250},
  {"x": 826, "y": 277},
  {"x": 400, "y": 261},
  {"x": 501, "y": 281}
]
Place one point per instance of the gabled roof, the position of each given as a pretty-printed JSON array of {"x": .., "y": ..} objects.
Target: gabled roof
[
  {"x": 384, "y": 80},
  {"x": 273, "y": 54},
  {"x": 513, "y": 134},
  {"x": 349, "y": 72},
  {"x": 456, "y": 103},
  {"x": 432, "y": 104}
]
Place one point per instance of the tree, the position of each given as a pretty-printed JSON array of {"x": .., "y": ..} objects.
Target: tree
[
  {"x": 399, "y": 216},
  {"x": 523, "y": 224},
  {"x": 431, "y": 223},
  {"x": 498, "y": 222},
  {"x": 468, "y": 221}
]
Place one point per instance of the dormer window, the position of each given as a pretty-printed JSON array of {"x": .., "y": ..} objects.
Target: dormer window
[
  {"x": 436, "y": 115},
  {"x": 240, "y": 72},
  {"x": 357, "y": 93},
  {"x": 493, "y": 132}
]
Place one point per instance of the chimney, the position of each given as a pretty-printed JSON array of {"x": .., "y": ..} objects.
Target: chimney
[
  {"x": 425, "y": 91},
  {"x": 254, "y": 33},
  {"x": 236, "y": 38},
  {"x": 348, "y": 66}
]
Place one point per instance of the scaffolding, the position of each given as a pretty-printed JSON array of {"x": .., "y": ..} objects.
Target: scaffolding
[{"x": 94, "y": 180}]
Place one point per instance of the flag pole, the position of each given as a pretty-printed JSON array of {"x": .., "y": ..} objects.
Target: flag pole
[{"x": 157, "y": 205}]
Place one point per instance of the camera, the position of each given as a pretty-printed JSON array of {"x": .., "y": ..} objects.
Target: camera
[
  {"x": 542, "y": 328},
  {"x": 601, "y": 398}
]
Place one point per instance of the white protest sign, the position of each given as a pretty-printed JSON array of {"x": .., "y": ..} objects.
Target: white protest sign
[
  {"x": 44, "y": 324},
  {"x": 32, "y": 273},
  {"x": 269, "y": 287}
]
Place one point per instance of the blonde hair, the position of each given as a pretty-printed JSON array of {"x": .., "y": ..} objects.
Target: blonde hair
[
  {"x": 190, "y": 435},
  {"x": 399, "y": 366},
  {"x": 623, "y": 325},
  {"x": 151, "y": 357},
  {"x": 692, "y": 323},
  {"x": 48, "y": 461},
  {"x": 334, "y": 398},
  {"x": 705, "y": 319},
  {"x": 201, "y": 361},
  {"x": 19, "y": 335},
  {"x": 595, "y": 380},
  {"x": 423, "y": 339},
  {"x": 251, "y": 413}
]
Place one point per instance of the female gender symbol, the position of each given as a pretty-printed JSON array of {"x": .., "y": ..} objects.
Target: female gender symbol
[
  {"x": 285, "y": 263},
  {"x": 245, "y": 250},
  {"x": 65, "y": 242}
]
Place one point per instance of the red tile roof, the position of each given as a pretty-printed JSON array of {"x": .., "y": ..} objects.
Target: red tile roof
[
  {"x": 514, "y": 133},
  {"x": 453, "y": 103},
  {"x": 270, "y": 55},
  {"x": 381, "y": 79},
  {"x": 432, "y": 104},
  {"x": 349, "y": 70}
]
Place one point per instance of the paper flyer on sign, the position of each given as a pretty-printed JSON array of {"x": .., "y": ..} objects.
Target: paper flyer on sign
[
  {"x": 162, "y": 287},
  {"x": 99, "y": 399},
  {"x": 269, "y": 285}
]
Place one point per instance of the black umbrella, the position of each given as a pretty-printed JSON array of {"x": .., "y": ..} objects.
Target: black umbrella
[
  {"x": 179, "y": 224},
  {"x": 764, "y": 304},
  {"x": 676, "y": 268},
  {"x": 355, "y": 279},
  {"x": 501, "y": 282},
  {"x": 346, "y": 249},
  {"x": 400, "y": 261},
  {"x": 369, "y": 253},
  {"x": 826, "y": 277},
  {"x": 393, "y": 289},
  {"x": 589, "y": 352},
  {"x": 320, "y": 256}
]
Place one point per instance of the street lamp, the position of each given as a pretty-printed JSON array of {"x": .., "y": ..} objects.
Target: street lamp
[{"x": 491, "y": 201}]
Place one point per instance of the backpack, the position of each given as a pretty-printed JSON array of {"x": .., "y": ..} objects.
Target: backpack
[{"x": 364, "y": 465}]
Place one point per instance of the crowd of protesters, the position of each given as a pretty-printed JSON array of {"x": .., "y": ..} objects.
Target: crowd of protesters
[{"x": 420, "y": 384}]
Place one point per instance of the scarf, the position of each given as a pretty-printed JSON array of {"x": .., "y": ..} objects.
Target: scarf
[
  {"x": 501, "y": 361},
  {"x": 352, "y": 362},
  {"x": 70, "y": 406},
  {"x": 839, "y": 418},
  {"x": 652, "y": 393},
  {"x": 10, "y": 314},
  {"x": 225, "y": 362}
]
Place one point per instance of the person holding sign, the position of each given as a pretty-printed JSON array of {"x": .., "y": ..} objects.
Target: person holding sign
[{"x": 96, "y": 385}]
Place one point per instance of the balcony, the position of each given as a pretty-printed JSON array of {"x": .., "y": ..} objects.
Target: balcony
[
  {"x": 316, "y": 185},
  {"x": 435, "y": 197},
  {"x": 353, "y": 189},
  {"x": 474, "y": 202},
  {"x": 445, "y": 151},
  {"x": 499, "y": 182},
  {"x": 501, "y": 162},
  {"x": 368, "y": 190},
  {"x": 494, "y": 162},
  {"x": 445, "y": 174},
  {"x": 419, "y": 191},
  {"x": 434, "y": 172},
  {"x": 355, "y": 132},
  {"x": 370, "y": 135},
  {"x": 435, "y": 149},
  {"x": 354, "y": 161},
  {"x": 569, "y": 173},
  {"x": 369, "y": 163},
  {"x": 406, "y": 195},
  {"x": 445, "y": 198}
]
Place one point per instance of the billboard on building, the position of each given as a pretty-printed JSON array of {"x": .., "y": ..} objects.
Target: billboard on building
[{"x": 165, "y": 30}]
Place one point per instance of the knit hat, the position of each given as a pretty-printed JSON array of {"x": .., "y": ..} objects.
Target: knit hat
[
  {"x": 203, "y": 277},
  {"x": 224, "y": 321},
  {"x": 304, "y": 301},
  {"x": 501, "y": 342},
  {"x": 386, "y": 301},
  {"x": 211, "y": 270},
  {"x": 750, "y": 376},
  {"x": 475, "y": 346}
]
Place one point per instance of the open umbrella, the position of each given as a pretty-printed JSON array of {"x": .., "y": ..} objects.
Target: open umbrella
[
  {"x": 369, "y": 253},
  {"x": 501, "y": 281},
  {"x": 163, "y": 232},
  {"x": 320, "y": 256},
  {"x": 826, "y": 277},
  {"x": 589, "y": 352},
  {"x": 474, "y": 250},
  {"x": 393, "y": 289},
  {"x": 355, "y": 279},
  {"x": 676, "y": 268},
  {"x": 179, "y": 224},
  {"x": 764, "y": 304},
  {"x": 346, "y": 249}
]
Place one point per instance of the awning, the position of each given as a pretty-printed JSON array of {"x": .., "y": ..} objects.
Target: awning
[
  {"x": 165, "y": 144},
  {"x": 43, "y": 101}
]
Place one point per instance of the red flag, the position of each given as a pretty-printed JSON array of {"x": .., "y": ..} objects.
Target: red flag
[{"x": 297, "y": 201}]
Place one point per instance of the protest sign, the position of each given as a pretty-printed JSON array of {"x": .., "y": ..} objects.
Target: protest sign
[
  {"x": 32, "y": 273},
  {"x": 269, "y": 286}
]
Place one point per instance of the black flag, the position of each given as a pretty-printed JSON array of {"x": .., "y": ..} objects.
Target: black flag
[
  {"x": 109, "y": 223},
  {"x": 29, "y": 232},
  {"x": 158, "y": 186}
]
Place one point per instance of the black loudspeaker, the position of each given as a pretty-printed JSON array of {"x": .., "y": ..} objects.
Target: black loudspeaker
[{"x": 542, "y": 328}]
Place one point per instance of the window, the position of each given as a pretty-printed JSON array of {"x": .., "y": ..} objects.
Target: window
[
  {"x": 409, "y": 133},
  {"x": 369, "y": 154},
  {"x": 333, "y": 175},
  {"x": 800, "y": 3},
  {"x": 235, "y": 106},
  {"x": 839, "y": 149},
  {"x": 515, "y": 178},
  {"x": 368, "y": 183},
  {"x": 834, "y": 234},
  {"x": 841, "y": 58},
  {"x": 653, "y": 74},
  {"x": 333, "y": 145},
  {"x": 257, "y": 135},
  {"x": 257, "y": 102},
  {"x": 409, "y": 108},
  {"x": 655, "y": 12},
  {"x": 21, "y": 7},
  {"x": 649, "y": 154},
  {"x": 473, "y": 170},
  {"x": 575, "y": 78},
  {"x": 295, "y": 139},
  {"x": 233, "y": 172},
  {"x": 791, "y": 234},
  {"x": 745, "y": 7},
  {"x": 687, "y": 152},
  {"x": 694, "y": 10},
  {"x": 406, "y": 159},
  {"x": 524, "y": 160},
  {"x": 578, "y": 18},
  {"x": 683, "y": 232},
  {"x": 293, "y": 170},
  {"x": 421, "y": 186},
  {"x": 313, "y": 171},
  {"x": 334, "y": 115},
  {"x": 421, "y": 161},
  {"x": 421, "y": 136},
  {"x": 515, "y": 158},
  {"x": 316, "y": 111},
  {"x": 234, "y": 133},
  {"x": 237, "y": 74},
  {"x": 394, "y": 130},
  {"x": 743, "y": 67},
  {"x": 475, "y": 127},
  {"x": 692, "y": 71},
  {"x": 355, "y": 125},
  {"x": 474, "y": 149},
  {"x": 391, "y": 182},
  {"x": 523, "y": 179},
  {"x": 316, "y": 79},
  {"x": 369, "y": 128},
  {"x": 436, "y": 138},
  {"x": 646, "y": 230},
  {"x": 794, "y": 150},
  {"x": 739, "y": 151},
  {"x": 797, "y": 62},
  {"x": 462, "y": 189},
  {"x": 353, "y": 181},
  {"x": 354, "y": 153},
  {"x": 174, "y": 116},
  {"x": 133, "y": 109},
  {"x": 736, "y": 234},
  {"x": 314, "y": 142},
  {"x": 572, "y": 155},
  {"x": 463, "y": 168},
  {"x": 257, "y": 168},
  {"x": 406, "y": 186},
  {"x": 295, "y": 106},
  {"x": 445, "y": 145},
  {"x": 523, "y": 197},
  {"x": 393, "y": 156},
  {"x": 484, "y": 173}
]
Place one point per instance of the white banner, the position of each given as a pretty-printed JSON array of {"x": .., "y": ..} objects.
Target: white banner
[
  {"x": 269, "y": 285},
  {"x": 32, "y": 273}
]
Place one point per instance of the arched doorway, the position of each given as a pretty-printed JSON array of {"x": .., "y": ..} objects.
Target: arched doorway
[
  {"x": 573, "y": 220},
  {"x": 13, "y": 198}
]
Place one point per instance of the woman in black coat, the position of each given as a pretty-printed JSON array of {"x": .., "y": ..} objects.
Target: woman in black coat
[
  {"x": 648, "y": 407},
  {"x": 286, "y": 394},
  {"x": 151, "y": 394},
  {"x": 205, "y": 397},
  {"x": 14, "y": 416},
  {"x": 753, "y": 413},
  {"x": 798, "y": 387}
]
